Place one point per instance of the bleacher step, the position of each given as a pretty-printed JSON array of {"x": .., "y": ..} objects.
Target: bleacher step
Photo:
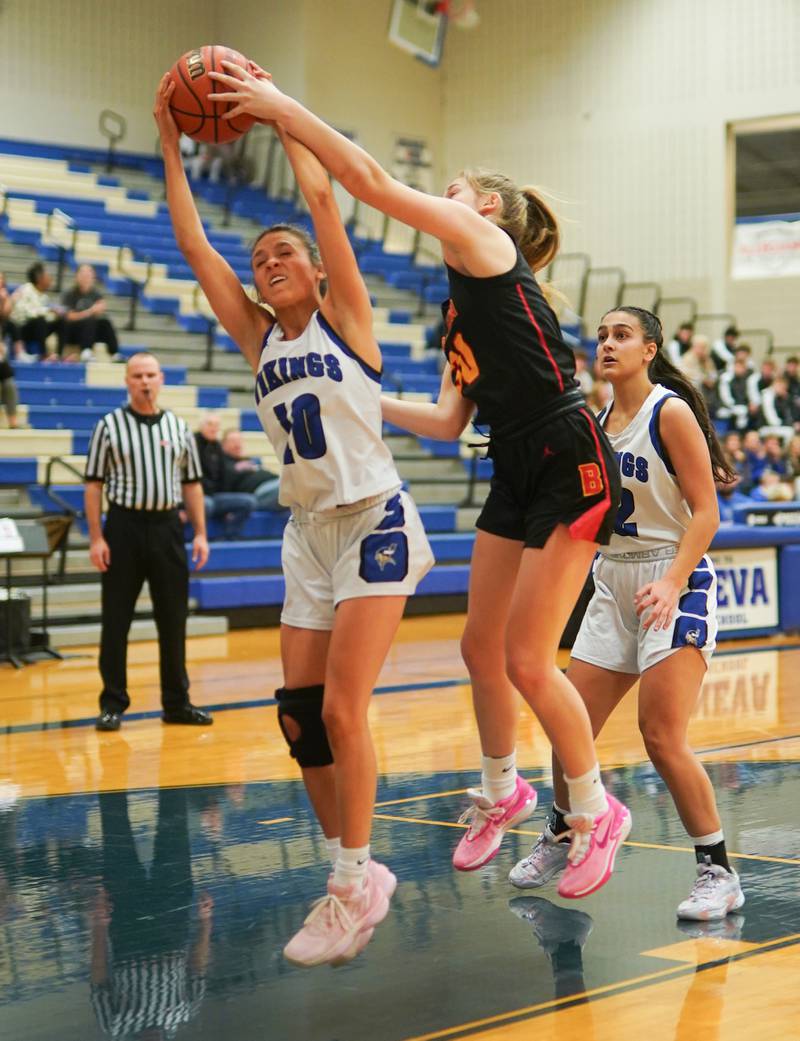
[{"x": 141, "y": 630}]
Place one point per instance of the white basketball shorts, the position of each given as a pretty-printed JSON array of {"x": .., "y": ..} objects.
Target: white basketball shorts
[
  {"x": 372, "y": 548},
  {"x": 611, "y": 634}
]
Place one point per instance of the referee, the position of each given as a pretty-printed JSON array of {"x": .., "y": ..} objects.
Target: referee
[{"x": 148, "y": 461}]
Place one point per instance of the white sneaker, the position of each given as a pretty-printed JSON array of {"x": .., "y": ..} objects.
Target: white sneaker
[
  {"x": 87, "y": 354},
  {"x": 715, "y": 893},
  {"x": 547, "y": 859},
  {"x": 24, "y": 358}
]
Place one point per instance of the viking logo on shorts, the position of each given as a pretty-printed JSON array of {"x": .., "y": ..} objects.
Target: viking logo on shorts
[
  {"x": 692, "y": 636},
  {"x": 591, "y": 479},
  {"x": 386, "y": 555}
]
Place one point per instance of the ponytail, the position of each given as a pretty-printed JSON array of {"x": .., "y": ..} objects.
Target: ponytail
[
  {"x": 541, "y": 236},
  {"x": 661, "y": 370}
]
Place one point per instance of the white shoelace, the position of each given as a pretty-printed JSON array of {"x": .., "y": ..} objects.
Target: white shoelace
[
  {"x": 705, "y": 885},
  {"x": 327, "y": 912},
  {"x": 581, "y": 828},
  {"x": 476, "y": 815}
]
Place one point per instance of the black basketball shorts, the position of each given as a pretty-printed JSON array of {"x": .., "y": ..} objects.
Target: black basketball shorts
[{"x": 564, "y": 472}]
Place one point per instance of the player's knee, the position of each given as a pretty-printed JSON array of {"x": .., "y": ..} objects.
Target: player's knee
[
  {"x": 532, "y": 678},
  {"x": 343, "y": 720},
  {"x": 659, "y": 741},
  {"x": 301, "y": 723},
  {"x": 479, "y": 656}
]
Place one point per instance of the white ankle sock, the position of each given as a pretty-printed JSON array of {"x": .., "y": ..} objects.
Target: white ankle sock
[
  {"x": 351, "y": 866},
  {"x": 587, "y": 794},
  {"x": 333, "y": 846},
  {"x": 498, "y": 776}
]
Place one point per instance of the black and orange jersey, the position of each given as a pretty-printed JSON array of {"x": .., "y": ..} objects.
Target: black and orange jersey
[{"x": 504, "y": 345}]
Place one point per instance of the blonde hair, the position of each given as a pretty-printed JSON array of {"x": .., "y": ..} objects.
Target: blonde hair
[{"x": 523, "y": 214}]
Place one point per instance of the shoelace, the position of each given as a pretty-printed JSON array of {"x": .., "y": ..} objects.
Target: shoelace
[
  {"x": 327, "y": 912},
  {"x": 476, "y": 816},
  {"x": 581, "y": 829},
  {"x": 705, "y": 884}
]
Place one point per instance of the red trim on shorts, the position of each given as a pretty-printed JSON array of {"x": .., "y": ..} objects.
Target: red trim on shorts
[
  {"x": 540, "y": 334},
  {"x": 588, "y": 524}
]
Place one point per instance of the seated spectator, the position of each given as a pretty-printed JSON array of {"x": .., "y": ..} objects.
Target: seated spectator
[
  {"x": 779, "y": 411},
  {"x": 793, "y": 459},
  {"x": 774, "y": 455},
  {"x": 5, "y": 305},
  {"x": 582, "y": 373},
  {"x": 756, "y": 456},
  {"x": 33, "y": 318},
  {"x": 696, "y": 363},
  {"x": 8, "y": 388},
  {"x": 772, "y": 488},
  {"x": 735, "y": 394},
  {"x": 681, "y": 342},
  {"x": 792, "y": 377},
  {"x": 86, "y": 321},
  {"x": 243, "y": 474},
  {"x": 722, "y": 351},
  {"x": 737, "y": 457},
  {"x": 759, "y": 381},
  {"x": 231, "y": 507},
  {"x": 744, "y": 352}
]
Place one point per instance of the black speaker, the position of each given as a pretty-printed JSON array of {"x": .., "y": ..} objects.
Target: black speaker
[{"x": 20, "y": 609}]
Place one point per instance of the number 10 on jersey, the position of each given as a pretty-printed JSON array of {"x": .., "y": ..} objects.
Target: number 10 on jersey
[{"x": 303, "y": 422}]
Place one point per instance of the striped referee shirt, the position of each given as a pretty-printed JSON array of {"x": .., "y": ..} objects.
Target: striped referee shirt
[{"x": 143, "y": 460}]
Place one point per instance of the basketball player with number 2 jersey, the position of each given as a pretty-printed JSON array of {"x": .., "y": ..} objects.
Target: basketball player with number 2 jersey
[{"x": 653, "y": 613}]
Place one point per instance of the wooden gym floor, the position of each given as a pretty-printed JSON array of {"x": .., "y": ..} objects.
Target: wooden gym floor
[{"x": 194, "y": 848}]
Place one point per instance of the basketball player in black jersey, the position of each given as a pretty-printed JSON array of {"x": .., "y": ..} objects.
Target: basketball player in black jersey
[{"x": 555, "y": 488}]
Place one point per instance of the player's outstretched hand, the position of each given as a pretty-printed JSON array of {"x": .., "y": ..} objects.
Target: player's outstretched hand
[
  {"x": 167, "y": 127},
  {"x": 662, "y": 597},
  {"x": 250, "y": 91}
]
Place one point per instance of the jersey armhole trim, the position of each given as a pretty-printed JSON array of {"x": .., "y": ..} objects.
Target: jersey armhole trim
[
  {"x": 655, "y": 434},
  {"x": 374, "y": 374}
]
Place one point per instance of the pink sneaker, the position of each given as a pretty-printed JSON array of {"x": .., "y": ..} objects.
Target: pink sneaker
[
  {"x": 385, "y": 880},
  {"x": 488, "y": 822},
  {"x": 595, "y": 841},
  {"x": 332, "y": 928}
]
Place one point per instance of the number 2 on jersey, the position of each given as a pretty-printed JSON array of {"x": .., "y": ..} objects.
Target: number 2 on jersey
[
  {"x": 626, "y": 508},
  {"x": 305, "y": 425}
]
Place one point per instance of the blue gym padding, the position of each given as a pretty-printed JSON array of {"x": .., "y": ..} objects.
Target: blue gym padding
[{"x": 17, "y": 471}]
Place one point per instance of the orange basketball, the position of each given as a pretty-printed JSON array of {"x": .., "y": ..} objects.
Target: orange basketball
[{"x": 195, "y": 115}]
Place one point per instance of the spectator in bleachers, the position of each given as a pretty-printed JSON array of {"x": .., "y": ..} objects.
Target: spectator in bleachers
[
  {"x": 8, "y": 388},
  {"x": 772, "y": 488},
  {"x": 244, "y": 474},
  {"x": 723, "y": 351},
  {"x": 231, "y": 507},
  {"x": 86, "y": 319},
  {"x": 739, "y": 460},
  {"x": 764, "y": 378},
  {"x": 744, "y": 353},
  {"x": 779, "y": 411},
  {"x": 681, "y": 341},
  {"x": 793, "y": 459},
  {"x": 582, "y": 373},
  {"x": 735, "y": 395},
  {"x": 775, "y": 455},
  {"x": 696, "y": 363},
  {"x": 791, "y": 373},
  {"x": 33, "y": 317},
  {"x": 756, "y": 456}
]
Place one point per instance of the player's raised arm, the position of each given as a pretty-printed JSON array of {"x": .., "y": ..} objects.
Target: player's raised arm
[
  {"x": 481, "y": 246},
  {"x": 242, "y": 317},
  {"x": 346, "y": 304}
]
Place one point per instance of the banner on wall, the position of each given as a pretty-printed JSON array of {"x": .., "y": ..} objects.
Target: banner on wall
[
  {"x": 766, "y": 249},
  {"x": 747, "y": 588}
]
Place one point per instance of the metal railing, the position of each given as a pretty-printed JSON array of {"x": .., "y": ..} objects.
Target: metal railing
[
  {"x": 124, "y": 254},
  {"x": 114, "y": 127},
  {"x": 68, "y": 223},
  {"x": 52, "y": 462}
]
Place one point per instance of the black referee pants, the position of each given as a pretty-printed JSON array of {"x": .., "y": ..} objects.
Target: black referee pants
[{"x": 144, "y": 545}]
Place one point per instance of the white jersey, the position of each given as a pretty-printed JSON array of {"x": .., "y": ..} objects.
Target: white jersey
[
  {"x": 653, "y": 514},
  {"x": 319, "y": 404}
]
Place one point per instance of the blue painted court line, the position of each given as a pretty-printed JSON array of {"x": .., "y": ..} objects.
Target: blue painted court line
[{"x": 401, "y": 688}]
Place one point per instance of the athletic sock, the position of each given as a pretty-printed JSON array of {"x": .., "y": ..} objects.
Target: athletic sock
[
  {"x": 351, "y": 866},
  {"x": 587, "y": 794},
  {"x": 713, "y": 847},
  {"x": 555, "y": 820},
  {"x": 498, "y": 776},
  {"x": 333, "y": 846}
]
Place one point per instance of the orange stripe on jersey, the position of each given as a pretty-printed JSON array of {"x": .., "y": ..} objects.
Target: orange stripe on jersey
[{"x": 540, "y": 334}]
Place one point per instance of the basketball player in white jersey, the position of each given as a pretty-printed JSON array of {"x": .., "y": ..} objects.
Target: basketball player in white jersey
[
  {"x": 354, "y": 548},
  {"x": 653, "y": 613}
]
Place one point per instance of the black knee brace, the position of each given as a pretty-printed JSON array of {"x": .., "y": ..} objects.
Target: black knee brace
[{"x": 303, "y": 705}]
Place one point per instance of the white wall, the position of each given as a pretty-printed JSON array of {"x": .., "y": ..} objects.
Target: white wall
[{"x": 620, "y": 107}]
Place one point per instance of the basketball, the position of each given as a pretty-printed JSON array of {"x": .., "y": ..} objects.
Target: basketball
[{"x": 195, "y": 115}]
